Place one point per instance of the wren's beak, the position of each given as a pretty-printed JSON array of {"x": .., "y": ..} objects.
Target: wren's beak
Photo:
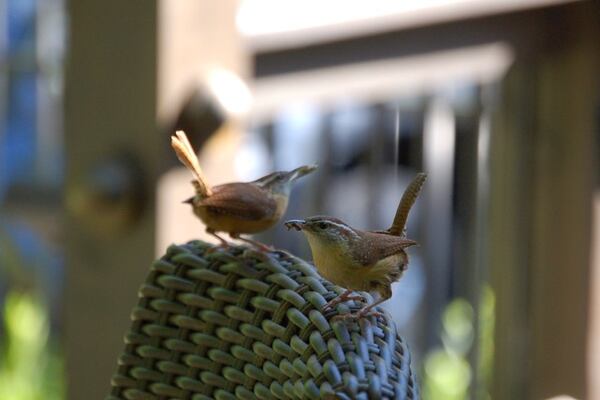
[
  {"x": 297, "y": 224},
  {"x": 300, "y": 172},
  {"x": 189, "y": 201}
]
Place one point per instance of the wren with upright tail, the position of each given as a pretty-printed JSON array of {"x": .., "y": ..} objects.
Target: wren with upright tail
[
  {"x": 238, "y": 207},
  {"x": 358, "y": 260}
]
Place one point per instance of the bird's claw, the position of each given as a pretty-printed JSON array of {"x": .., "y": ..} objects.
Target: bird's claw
[
  {"x": 370, "y": 313},
  {"x": 338, "y": 300},
  {"x": 258, "y": 245},
  {"x": 358, "y": 315},
  {"x": 264, "y": 248},
  {"x": 215, "y": 248}
]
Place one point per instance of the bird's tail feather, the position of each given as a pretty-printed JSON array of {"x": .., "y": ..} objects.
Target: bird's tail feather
[
  {"x": 187, "y": 156},
  {"x": 408, "y": 199}
]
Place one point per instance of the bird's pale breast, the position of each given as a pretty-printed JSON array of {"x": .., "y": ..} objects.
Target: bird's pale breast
[
  {"x": 232, "y": 223},
  {"x": 333, "y": 264}
]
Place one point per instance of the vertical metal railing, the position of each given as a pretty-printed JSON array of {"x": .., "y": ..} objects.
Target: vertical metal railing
[{"x": 438, "y": 160}]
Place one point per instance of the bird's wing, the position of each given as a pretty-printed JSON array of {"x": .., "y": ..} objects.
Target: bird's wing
[
  {"x": 241, "y": 200},
  {"x": 375, "y": 246}
]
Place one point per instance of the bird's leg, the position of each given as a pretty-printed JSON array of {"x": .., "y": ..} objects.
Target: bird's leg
[
  {"x": 224, "y": 243},
  {"x": 255, "y": 243},
  {"x": 347, "y": 295},
  {"x": 366, "y": 311}
]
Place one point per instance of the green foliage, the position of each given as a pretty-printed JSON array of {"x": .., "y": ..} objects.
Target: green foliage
[
  {"x": 486, "y": 341},
  {"x": 30, "y": 368},
  {"x": 447, "y": 371}
]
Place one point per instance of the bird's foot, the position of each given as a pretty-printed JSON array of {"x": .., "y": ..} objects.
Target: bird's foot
[
  {"x": 217, "y": 247},
  {"x": 367, "y": 311},
  {"x": 263, "y": 247},
  {"x": 341, "y": 299},
  {"x": 360, "y": 314},
  {"x": 260, "y": 246}
]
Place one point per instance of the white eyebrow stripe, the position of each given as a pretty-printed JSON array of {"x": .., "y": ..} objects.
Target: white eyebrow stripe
[{"x": 342, "y": 227}]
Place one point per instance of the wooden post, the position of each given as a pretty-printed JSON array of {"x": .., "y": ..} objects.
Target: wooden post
[
  {"x": 543, "y": 166},
  {"x": 563, "y": 170},
  {"x": 110, "y": 116}
]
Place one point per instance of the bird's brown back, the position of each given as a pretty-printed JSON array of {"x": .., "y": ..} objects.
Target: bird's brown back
[{"x": 240, "y": 200}]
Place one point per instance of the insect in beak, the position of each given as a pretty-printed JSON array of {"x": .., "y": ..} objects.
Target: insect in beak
[{"x": 297, "y": 224}]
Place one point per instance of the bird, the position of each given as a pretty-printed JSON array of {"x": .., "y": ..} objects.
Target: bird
[
  {"x": 358, "y": 260},
  {"x": 239, "y": 207}
]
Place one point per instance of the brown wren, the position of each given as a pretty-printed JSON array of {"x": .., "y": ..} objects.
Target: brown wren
[
  {"x": 238, "y": 207},
  {"x": 367, "y": 261}
]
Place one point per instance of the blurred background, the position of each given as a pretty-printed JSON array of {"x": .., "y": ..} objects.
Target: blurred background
[{"x": 497, "y": 100}]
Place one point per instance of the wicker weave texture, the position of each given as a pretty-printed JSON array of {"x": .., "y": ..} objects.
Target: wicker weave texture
[{"x": 239, "y": 324}]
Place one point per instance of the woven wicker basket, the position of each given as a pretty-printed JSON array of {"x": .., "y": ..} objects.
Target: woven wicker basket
[{"x": 239, "y": 324}]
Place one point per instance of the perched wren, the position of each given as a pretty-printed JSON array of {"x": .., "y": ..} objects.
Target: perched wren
[
  {"x": 367, "y": 261},
  {"x": 239, "y": 207}
]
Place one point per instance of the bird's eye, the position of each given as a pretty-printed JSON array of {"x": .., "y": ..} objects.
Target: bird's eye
[{"x": 323, "y": 225}]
